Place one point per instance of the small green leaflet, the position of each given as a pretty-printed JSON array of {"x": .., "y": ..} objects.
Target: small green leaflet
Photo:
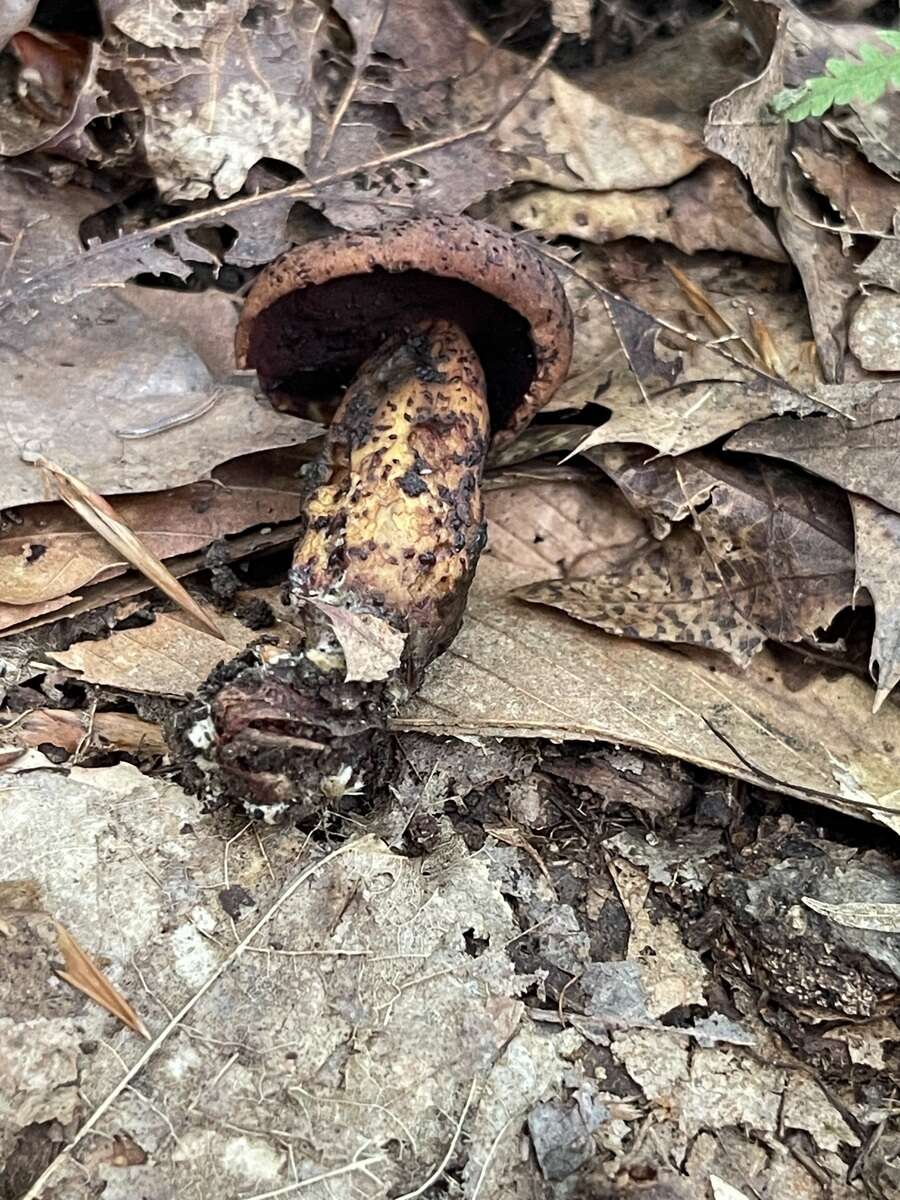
[{"x": 846, "y": 81}]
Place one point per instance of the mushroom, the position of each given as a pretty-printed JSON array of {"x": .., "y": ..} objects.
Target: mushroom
[{"x": 443, "y": 330}]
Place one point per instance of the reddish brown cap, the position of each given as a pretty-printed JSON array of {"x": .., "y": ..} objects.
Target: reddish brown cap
[{"x": 315, "y": 314}]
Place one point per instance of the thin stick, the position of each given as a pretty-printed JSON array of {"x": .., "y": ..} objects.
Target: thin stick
[
  {"x": 162, "y": 1037},
  {"x": 441, "y": 1167},
  {"x": 222, "y": 212},
  {"x": 360, "y": 1165},
  {"x": 482, "y": 1174}
]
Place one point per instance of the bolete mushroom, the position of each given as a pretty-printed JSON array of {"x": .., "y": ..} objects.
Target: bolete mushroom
[{"x": 444, "y": 330}]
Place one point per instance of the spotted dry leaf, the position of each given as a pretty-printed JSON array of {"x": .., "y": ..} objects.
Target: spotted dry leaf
[
  {"x": 710, "y": 209},
  {"x": 770, "y": 556},
  {"x": 672, "y": 593}
]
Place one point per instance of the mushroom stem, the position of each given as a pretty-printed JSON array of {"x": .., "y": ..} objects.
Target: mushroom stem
[{"x": 394, "y": 534}]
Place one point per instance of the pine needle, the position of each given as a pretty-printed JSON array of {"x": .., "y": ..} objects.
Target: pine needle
[
  {"x": 718, "y": 325},
  {"x": 87, "y": 977},
  {"x": 103, "y": 519}
]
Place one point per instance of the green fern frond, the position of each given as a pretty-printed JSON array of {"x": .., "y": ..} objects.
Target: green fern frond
[{"x": 847, "y": 81}]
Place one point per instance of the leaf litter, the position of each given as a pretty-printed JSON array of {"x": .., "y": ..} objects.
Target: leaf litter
[{"x": 611, "y": 923}]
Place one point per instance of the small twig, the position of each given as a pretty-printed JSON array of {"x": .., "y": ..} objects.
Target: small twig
[
  {"x": 842, "y": 803},
  {"x": 482, "y": 1174},
  {"x": 226, "y": 211},
  {"x": 441, "y": 1167},
  {"x": 85, "y": 738},
  {"x": 358, "y": 1165},
  {"x": 172, "y": 420}
]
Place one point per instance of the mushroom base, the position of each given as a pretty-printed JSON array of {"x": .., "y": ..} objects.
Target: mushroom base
[
  {"x": 395, "y": 530},
  {"x": 275, "y": 735}
]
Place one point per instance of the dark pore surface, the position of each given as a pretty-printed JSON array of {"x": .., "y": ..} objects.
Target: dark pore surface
[{"x": 314, "y": 339}]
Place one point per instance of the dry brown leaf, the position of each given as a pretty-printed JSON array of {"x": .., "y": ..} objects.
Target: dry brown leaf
[
  {"x": 207, "y": 320},
  {"x": 103, "y": 518},
  {"x": 743, "y": 129},
  {"x": 877, "y": 532},
  {"x": 865, "y": 197},
  {"x": 69, "y": 729},
  {"x": 86, "y": 976},
  {"x": 861, "y": 454},
  {"x": 671, "y": 593},
  {"x": 168, "y": 657},
  {"x": 748, "y": 506},
  {"x": 769, "y": 556},
  {"x": 50, "y": 553},
  {"x": 12, "y": 614},
  {"x": 635, "y": 124},
  {"x": 52, "y": 93},
  {"x": 521, "y": 671},
  {"x": 661, "y": 389},
  {"x": 882, "y": 266},
  {"x": 41, "y": 226},
  {"x": 100, "y": 594},
  {"x": 76, "y": 368},
  {"x": 830, "y": 281},
  {"x": 558, "y": 526},
  {"x": 709, "y": 210},
  {"x": 372, "y": 647}
]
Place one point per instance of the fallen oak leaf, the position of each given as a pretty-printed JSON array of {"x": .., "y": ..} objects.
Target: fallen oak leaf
[
  {"x": 619, "y": 303},
  {"x": 103, "y": 518},
  {"x": 770, "y": 543},
  {"x": 86, "y": 976}
]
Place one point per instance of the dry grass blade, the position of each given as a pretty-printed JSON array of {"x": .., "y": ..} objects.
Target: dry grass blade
[
  {"x": 82, "y": 974},
  {"x": 718, "y": 325},
  {"x": 765, "y": 347},
  {"x": 104, "y": 519}
]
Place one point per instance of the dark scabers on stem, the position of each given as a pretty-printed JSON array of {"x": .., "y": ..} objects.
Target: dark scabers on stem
[{"x": 443, "y": 331}]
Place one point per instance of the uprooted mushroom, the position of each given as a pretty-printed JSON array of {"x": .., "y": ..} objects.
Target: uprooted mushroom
[{"x": 442, "y": 330}]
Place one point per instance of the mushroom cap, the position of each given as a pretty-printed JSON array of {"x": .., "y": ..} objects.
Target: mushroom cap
[{"x": 316, "y": 313}]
